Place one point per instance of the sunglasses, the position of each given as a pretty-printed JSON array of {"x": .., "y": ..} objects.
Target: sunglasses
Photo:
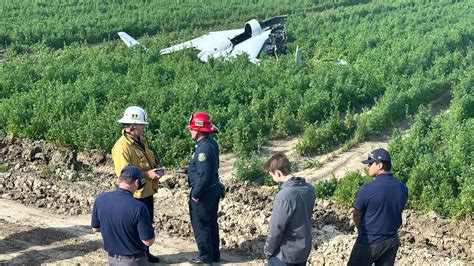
[{"x": 370, "y": 164}]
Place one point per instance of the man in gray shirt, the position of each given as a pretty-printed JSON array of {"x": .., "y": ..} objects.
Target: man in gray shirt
[{"x": 289, "y": 238}]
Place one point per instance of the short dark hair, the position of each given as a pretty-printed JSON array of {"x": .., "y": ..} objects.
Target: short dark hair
[
  {"x": 126, "y": 179},
  {"x": 204, "y": 133},
  {"x": 387, "y": 165},
  {"x": 278, "y": 161}
]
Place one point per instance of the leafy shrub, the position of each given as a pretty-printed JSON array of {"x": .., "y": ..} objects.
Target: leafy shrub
[
  {"x": 348, "y": 186},
  {"x": 308, "y": 163},
  {"x": 251, "y": 169},
  {"x": 3, "y": 168},
  {"x": 319, "y": 140},
  {"x": 49, "y": 171},
  {"x": 285, "y": 122},
  {"x": 325, "y": 189},
  {"x": 463, "y": 102},
  {"x": 464, "y": 208}
]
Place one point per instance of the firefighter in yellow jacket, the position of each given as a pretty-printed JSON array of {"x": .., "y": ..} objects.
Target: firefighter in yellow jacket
[{"x": 132, "y": 149}]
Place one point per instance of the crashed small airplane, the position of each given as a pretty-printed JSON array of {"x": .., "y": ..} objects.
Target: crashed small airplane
[{"x": 256, "y": 36}]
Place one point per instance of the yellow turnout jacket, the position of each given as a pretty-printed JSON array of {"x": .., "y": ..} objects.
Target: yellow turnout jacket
[{"x": 127, "y": 151}]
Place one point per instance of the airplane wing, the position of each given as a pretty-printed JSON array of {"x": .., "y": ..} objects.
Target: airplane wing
[
  {"x": 127, "y": 39},
  {"x": 251, "y": 46},
  {"x": 205, "y": 42}
]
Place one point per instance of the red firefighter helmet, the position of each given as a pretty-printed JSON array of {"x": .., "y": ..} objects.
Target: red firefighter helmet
[{"x": 201, "y": 121}]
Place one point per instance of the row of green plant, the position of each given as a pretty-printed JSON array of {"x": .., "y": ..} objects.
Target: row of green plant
[
  {"x": 74, "y": 96},
  {"x": 411, "y": 53},
  {"x": 59, "y": 23},
  {"x": 434, "y": 159}
]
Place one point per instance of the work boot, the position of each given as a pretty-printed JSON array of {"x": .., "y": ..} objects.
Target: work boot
[{"x": 152, "y": 258}]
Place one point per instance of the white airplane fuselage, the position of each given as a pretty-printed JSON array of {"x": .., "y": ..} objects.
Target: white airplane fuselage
[{"x": 227, "y": 43}]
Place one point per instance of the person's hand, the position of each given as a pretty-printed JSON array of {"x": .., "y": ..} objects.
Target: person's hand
[
  {"x": 184, "y": 169},
  {"x": 195, "y": 200},
  {"x": 152, "y": 174}
]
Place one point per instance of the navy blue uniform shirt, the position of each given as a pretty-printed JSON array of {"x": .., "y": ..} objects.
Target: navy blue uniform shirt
[
  {"x": 381, "y": 202},
  {"x": 203, "y": 165},
  {"x": 123, "y": 221}
]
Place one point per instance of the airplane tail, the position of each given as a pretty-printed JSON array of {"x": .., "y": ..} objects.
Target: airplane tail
[{"x": 128, "y": 40}]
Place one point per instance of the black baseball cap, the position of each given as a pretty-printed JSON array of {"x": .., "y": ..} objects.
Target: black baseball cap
[
  {"x": 377, "y": 155},
  {"x": 131, "y": 172}
]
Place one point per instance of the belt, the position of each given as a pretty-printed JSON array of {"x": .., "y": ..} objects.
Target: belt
[
  {"x": 115, "y": 256},
  {"x": 213, "y": 185}
]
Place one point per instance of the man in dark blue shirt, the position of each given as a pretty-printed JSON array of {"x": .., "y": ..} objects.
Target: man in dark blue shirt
[
  {"x": 123, "y": 221},
  {"x": 378, "y": 213},
  {"x": 203, "y": 178}
]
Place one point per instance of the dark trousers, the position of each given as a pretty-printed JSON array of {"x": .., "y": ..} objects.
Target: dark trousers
[
  {"x": 381, "y": 253},
  {"x": 128, "y": 261},
  {"x": 274, "y": 261},
  {"x": 149, "y": 205},
  {"x": 204, "y": 222}
]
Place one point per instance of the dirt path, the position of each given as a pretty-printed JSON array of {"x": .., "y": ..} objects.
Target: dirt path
[
  {"x": 322, "y": 167},
  {"x": 314, "y": 168},
  {"x": 32, "y": 236}
]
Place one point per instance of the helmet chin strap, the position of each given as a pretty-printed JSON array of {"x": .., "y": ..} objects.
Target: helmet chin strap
[
  {"x": 198, "y": 136},
  {"x": 131, "y": 131}
]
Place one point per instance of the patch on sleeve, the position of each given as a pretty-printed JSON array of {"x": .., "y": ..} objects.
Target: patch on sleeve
[{"x": 202, "y": 157}]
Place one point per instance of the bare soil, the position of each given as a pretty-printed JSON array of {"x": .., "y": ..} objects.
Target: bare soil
[{"x": 47, "y": 192}]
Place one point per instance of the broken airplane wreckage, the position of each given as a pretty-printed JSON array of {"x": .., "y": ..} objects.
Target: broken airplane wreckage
[{"x": 268, "y": 35}]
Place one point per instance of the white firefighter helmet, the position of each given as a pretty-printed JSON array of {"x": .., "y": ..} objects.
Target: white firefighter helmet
[{"x": 134, "y": 115}]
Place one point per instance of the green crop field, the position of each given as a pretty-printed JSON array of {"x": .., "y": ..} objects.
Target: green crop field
[{"x": 66, "y": 78}]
